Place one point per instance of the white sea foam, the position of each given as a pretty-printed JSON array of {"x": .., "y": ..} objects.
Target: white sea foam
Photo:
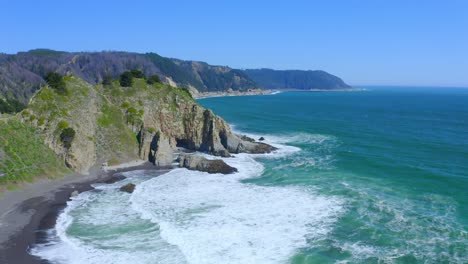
[
  {"x": 426, "y": 230},
  {"x": 318, "y": 155},
  {"x": 215, "y": 218},
  {"x": 193, "y": 217},
  {"x": 298, "y": 138},
  {"x": 100, "y": 228}
]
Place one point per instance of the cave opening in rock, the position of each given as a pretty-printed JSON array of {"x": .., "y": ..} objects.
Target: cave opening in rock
[
  {"x": 185, "y": 143},
  {"x": 223, "y": 138}
]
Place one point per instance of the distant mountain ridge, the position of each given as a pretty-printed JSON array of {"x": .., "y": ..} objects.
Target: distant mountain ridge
[
  {"x": 296, "y": 79},
  {"x": 22, "y": 74}
]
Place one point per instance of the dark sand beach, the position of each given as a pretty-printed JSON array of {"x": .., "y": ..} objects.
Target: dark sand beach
[{"x": 27, "y": 213}]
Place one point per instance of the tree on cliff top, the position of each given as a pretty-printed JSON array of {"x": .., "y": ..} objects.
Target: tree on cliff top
[
  {"x": 153, "y": 79},
  {"x": 137, "y": 74},
  {"x": 126, "y": 79},
  {"x": 56, "y": 82},
  {"x": 11, "y": 106}
]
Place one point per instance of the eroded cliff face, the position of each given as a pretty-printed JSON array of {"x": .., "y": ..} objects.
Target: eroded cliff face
[
  {"x": 119, "y": 124},
  {"x": 51, "y": 113},
  {"x": 191, "y": 127}
]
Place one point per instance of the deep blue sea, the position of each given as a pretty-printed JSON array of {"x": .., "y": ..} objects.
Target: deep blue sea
[{"x": 374, "y": 176}]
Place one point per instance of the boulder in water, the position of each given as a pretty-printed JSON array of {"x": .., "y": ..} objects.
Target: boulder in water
[
  {"x": 193, "y": 162},
  {"x": 129, "y": 187},
  {"x": 261, "y": 139},
  {"x": 246, "y": 138}
]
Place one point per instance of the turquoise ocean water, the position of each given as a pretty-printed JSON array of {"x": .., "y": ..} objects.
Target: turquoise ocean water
[{"x": 375, "y": 176}]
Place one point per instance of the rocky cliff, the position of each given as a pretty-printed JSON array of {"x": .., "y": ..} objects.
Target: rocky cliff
[{"x": 115, "y": 124}]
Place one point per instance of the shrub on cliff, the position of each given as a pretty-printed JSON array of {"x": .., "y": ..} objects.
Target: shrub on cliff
[
  {"x": 56, "y": 82},
  {"x": 185, "y": 91},
  {"x": 153, "y": 79},
  {"x": 126, "y": 79},
  {"x": 67, "y": 136},
  {"x": 63, "y": 125},
  {"x": 11, "y": 106},
  {"x": 137, "y": 74}
]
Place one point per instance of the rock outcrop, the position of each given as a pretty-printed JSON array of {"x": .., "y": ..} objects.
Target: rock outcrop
[
  {"x": 129, "y": 188},
  {"x": 196, "y": 128},
  {"x": 194, "y": 162}
]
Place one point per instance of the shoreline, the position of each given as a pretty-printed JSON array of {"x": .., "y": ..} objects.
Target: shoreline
[
  {"x": 204, "y": 95},
  {"x": 27, "y": 213}
]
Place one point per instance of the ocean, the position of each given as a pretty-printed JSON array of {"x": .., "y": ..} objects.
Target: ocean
[{"x": 374, "y": 176}]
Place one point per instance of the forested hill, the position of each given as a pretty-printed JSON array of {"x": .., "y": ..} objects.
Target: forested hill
[
  {"x": 23, "y": 73},
  {"x": 296, "y": 79}
]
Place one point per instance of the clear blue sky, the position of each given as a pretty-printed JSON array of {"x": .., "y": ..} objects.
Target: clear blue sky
[{"x": 364, "y": 42}]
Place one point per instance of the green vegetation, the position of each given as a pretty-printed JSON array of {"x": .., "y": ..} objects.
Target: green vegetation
[
  {"x": 62, "y": 125},
  {"x": 67, "y": 136},
  {"x": 53, "y": 107},
  {"x": 125, "y": 104},
  {"x": 153, "y": 79},
  {"x": 24, "y": 156},
  {"x": 107, "y": 80},
  {"x": 111, "y": 115},
  {"x": 11, "y": 106},
  {"x": 113, "y": 128},
  {"x": 45, "y": 52},
  {"x": 23, "y": 72},
  {"x": 134, "y": 116},
  {"x": 137, "y": 74},
  {"x": 41, "y": 121},
  {"x": 185, "y": 91},
  {"x": 140, "y": 85},
  {"x": 126, "y": 79},
  {"x": 56, "y": 82}
]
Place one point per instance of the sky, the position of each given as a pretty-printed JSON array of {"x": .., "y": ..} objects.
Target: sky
[{"x": 364, "y": 42}]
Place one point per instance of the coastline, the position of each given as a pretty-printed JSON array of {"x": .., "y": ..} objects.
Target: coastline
[
  {"x": 26, "y": 213},
  {"x": 203, "y": 95}
]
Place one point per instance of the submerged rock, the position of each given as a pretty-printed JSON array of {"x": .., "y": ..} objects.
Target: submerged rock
[
  {"x": 193, "y": 162},
  {"x": 261, "y": 139},
  {"x": 129, "y": 187}
]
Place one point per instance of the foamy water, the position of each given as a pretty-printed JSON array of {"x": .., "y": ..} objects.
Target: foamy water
[{"x": 194, "y": 217}]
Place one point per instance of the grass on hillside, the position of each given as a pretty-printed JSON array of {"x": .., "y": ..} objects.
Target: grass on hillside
[{"x": 24, "y": 156}]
